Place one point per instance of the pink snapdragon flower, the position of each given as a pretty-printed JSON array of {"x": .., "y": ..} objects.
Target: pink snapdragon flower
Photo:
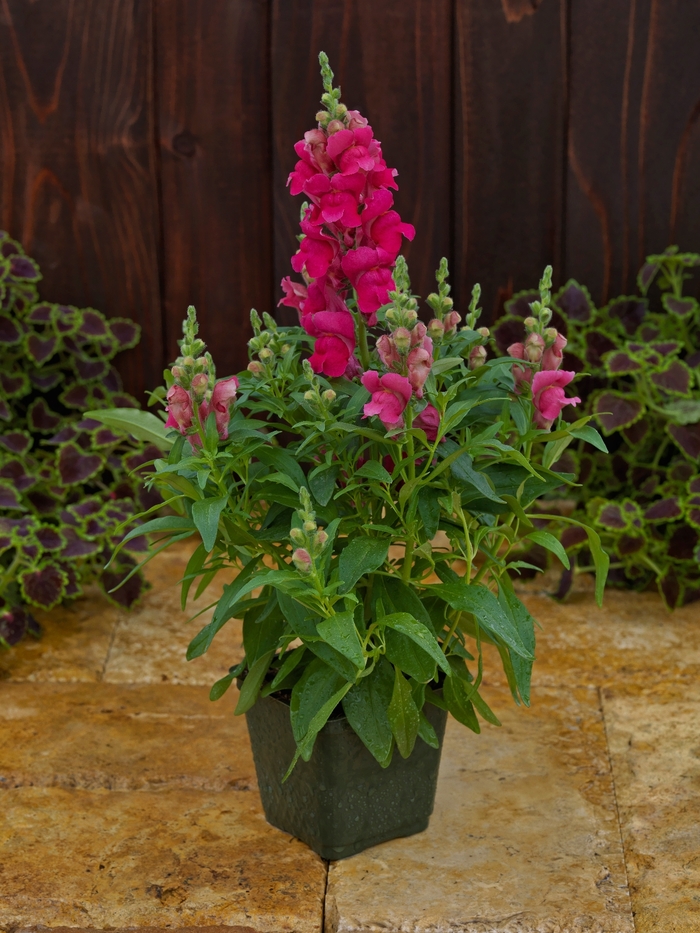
[
  {"x": 388, "y": 352},
  {"x": 295, "y": 294},
  {"x": 429, "y": 421},
  {"x": 420, "y": 358},
  {"x": 383, "y": 225},
  {"x": 369, "y": 271},
  {"x": 391, "y": 394},
  {"x": 316, "y": 251},
  {"x": 520, "y": 373},
  {"x": 335, "y": 343},
  {"x": 553, "y": 356},
  {"x": 180, "y": 410},
  {"x": 220, "y": 404},
  {"x": 548, "y": 395}
]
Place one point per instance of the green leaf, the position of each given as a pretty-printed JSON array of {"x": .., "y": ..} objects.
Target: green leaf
[
  {"x": 263, "y": 626},
  {"x": 225, "y": 609},
  {"x": 523, "y": 621},
  {"x": 463, "y": 471},
  {"x": 375, "y": 471},
  {"x": 403, "y": 715},
  {"x": 322, "y": 482},
  {"x": 221, "y": 686},
  {"x": 445, "y": 365},
  {"x": 363, "y": 555},
  {"x": 143, "y": 425},
  {"x": 426, "y": 731},
  {"x": 601, "y": 561},
  {"x": 429, "y": 509},
  {"x": 282, "y": 461},
  {"x": 194, "y": 566},
  {"x": 366, "y": 708},
  {"x": 550, "y": 543},
  {"x": 418, "y": 633},
  {"x": 170, "y": 523},
  {"x": 405, "y": 599},
  {"x": 311, "y": 692},
  {"x": 589, "y": 434},
  {"x": 288, "y": 665},
  {"x": 683, "y": 410},
  {"x": 252, "y": 684},
  {"x": 306, "y": 746},
  {"x": 283, "y": 480},
  {"x": 408, "y": 657},
  {"x": 458, "y": 697},
  {"x": 205, "y": 514},
  {"x": 340, "y": 632},
  {"x": 485, "y": 607}
]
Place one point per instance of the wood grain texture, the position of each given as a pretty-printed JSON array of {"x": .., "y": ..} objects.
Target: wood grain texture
[
  {"x": 634, "y": 137},
  {"x": 509, "y": 119},
  {"x": 78, "y": 170},
  {"x": 213, "y": 113},
  {"x": 393, "y": 62}
]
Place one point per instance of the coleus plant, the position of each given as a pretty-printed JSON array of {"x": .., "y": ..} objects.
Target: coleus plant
[
  {"x": 66, "y": 480},
  {"x": 367, "y": 475},
  {"x": 642, "y": 384}
]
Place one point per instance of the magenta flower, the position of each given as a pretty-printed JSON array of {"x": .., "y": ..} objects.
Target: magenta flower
[
  {"x": 369, "y": 271},
  {"x": 316, "y": 251},
  {"x": 384, "y": 226},
  {"x": 429, "y": 421},
  {"x": 180, "y": 411},
  {"x": 295, "y": 294},
  {"x": 354, "y": 150},
  {"x": 553, "y": 356},
  {"x": 548, "y": 395},
  {"x": 335, "y": 343},
  {"x": 223, "y": 395},
  {"x": 390, "y": 395}
]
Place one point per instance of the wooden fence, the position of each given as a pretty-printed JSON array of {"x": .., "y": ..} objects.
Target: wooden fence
[{"x": 145, "y": 144}]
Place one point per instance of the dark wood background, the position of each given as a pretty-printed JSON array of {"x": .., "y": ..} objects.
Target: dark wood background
[{"x": 145, "y": 145}]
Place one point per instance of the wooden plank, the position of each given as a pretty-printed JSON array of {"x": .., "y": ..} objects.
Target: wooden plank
[
  {"x": 79, "y": 179},
  {"x": 213, "y": 104},
  {"x": 634, "y": 143},
  {"x": 509, "y": 118},
  {"x": 393, "y": 62}
]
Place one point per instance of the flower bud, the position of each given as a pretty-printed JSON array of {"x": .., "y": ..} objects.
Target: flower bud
[
  {"x": 302, "y": 560},
  {"x": 309, "y": 395},
  {"x": 177, "y": 372},
  {"x": 188, "y": 361},
  {"x": 321, "y": 537},
  {"x": 391, "y": 315},
  {"x": 411, "y": 316},
  {"x": 477, "y": 357},
  {"x": 341, "y": 109},
  {"x": 256, "y": 368},
  {"x": 200, "y": 384},
  {"x": 551, "y": 334},
  {"x": 484, "y": 331},
  {"x": 436, "y": 329},
  {"x": 545, "y": 316},
  {"x": 534, "y": 347},
  {"x": 285, "y": 348},
  {"x": 309, "y": 526},
  {"x": 329, "y": 395},
  {"x": 402, "y": 339},
  {"x": 266, "y": 354},
  {"x": 451, "y": 320},
  {"x": 297, "y": 535},
  {"x": 529, "y": 322},
  {"x": 322, "y": 117},
  {"x": 335, "y": 126}
]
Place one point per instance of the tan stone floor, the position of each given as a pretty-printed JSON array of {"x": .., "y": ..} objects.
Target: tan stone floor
[{"x": 128, "y": 801}]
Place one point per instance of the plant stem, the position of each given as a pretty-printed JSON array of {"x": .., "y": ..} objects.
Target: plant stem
[{"x": 362, "y": 341}]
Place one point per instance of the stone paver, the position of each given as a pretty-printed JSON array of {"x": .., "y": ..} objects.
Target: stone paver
[
  {"x": 122, "y": 737},
  {"x": 524, "y": 837},
  {"x": 654, "y": 735},
  {"x": 150, "y": 643},
  {"x": 111, "y": 860},
  {"x": 73, "y": 648}
]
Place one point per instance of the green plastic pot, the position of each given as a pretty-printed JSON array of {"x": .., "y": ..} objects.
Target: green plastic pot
[{"x": 341, "y": 801}]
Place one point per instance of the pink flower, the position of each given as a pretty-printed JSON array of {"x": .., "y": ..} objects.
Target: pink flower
[
  {"x": 552, "y": 356},
  {"x": 340, "y": 206},
  {"x": 390, "y": 395},
  {"x": 335, "y": 341},
  {"x": 520, "y": 373},
  {"x": 354, "y": 150},
  {"x": 388, "y": 353},
  {"x": 369, "y": 271},
  {"x": 450, "y": 321},
  {"x": 316, "y": 251},
  {"x": 295, "y": 294},
  {"x": 299, "y": 178},
  {"x": 223, "y": 395},
  {"x": 548, "y": 395},
  {"x": 429, "y": 421},
  {"x": 384, "y": 226},
  {"x": 355, "y": 119},
  {"x": 419, "y": 363},
  {"x": 534, "y": 348},
  {"x": 477, "y": 357},
  {"x": 180, "y": 410}
]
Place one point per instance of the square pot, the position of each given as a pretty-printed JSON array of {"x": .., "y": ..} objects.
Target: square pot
[{"x": 341, "y": 801}]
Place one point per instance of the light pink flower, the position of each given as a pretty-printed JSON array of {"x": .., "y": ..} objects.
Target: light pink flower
[
  {"x": 388, "y": 353},
  {"x": 450, "y": 321},
  {"x": 335, "y": 341},
  {"x": 552, "y": 356},
  {"x": 520, "y": 373},
  {"x": 477, "y": 357},
  {"x": 223, "y": 395},
  {"x": 548, "y": 395},
  {"x": 390, "y": 395},
  {"x": 429, "y": 421},
  {"x": 180, "y": 411},
  {"x": 419, "y": 364},
  {"x": 534, "y": 348}
]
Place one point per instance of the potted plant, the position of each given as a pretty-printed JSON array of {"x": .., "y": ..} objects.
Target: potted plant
[{"x": 368, "y": 475}]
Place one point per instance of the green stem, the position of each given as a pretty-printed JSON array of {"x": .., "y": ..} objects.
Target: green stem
[{"x": 362, "y": 341}]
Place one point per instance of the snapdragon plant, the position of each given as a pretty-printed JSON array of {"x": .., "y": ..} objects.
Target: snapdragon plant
[{"x": 368, "y": 474}]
